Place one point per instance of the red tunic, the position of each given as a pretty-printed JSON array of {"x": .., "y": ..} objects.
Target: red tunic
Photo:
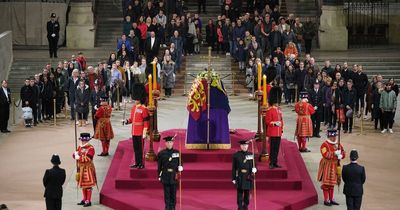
[
  {"x": 87, "y": 172},
  {"x": 139, "y": 119},
  {"x": 304, "y": 111},
  {"x": 272, "y": 115},
  {"x": 327, "y": 171},
  {"x": 104, "y": 129}
]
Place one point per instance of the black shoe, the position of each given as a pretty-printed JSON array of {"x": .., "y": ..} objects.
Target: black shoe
[
  {"x": 87, "y": 204},
  {"x": 40, "y": 121},
  {"x": 133, "y": 166},
  {"x": 101, "y": 154},
  {"x": 307, "y": 150},
  {"x": 277, "y": 166},
  {"x": 345, "y": 131},
  {"x": 141, "y": 166},
  {"x": 271, "y": 166},
  {"x": 350, "y": 131},
  {"x": 334, "y": 203},
  {"x": 81, "y": 203},
  {"x": 327, "y": 203}
]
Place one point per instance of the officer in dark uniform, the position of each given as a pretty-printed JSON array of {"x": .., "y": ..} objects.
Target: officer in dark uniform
[
  {"x": 243, "y": 172},
  {"x": 354, "y": 177},
  {"x": 53, "y": 181},
  {"x": 168, "y": 165},
  {"x": 315, "y": 99},
  {"x": 53, "y": 32}
]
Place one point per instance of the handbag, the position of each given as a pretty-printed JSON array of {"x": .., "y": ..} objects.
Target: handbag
[{"x": 340, "y": 115}]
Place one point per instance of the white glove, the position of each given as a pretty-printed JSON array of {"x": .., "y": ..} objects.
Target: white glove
[
  {"x": 180, "y": 168},
  {"x": 278, "y": 123},
  {"x": 338, "y": 152},
  {"x": 254, "y": 170},
  {"x": 95, "y": 107},
  {"x": 144, "y": 136},
  {"x": 315, "y": 107},
  {"x": 53, "y": 35},
  {"x": 339, "y": 157},
  {"x": 159, "y": 178},
  {"x": 234, "y": 181},
  {"x": 76, "y": 155}
]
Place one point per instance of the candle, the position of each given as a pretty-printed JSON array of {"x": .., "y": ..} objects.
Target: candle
[
  {"x": 264, "y": 90},
  {"x": 259, "y": 76},
  {"x": 154, "y": 75},
  {"x": 150, "y": 91}
]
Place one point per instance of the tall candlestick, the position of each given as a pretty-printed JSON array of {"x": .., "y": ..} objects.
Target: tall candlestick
[
  {"x": 150, "y": 91},
  {"x": 154, "y": 75},
  {"x": 264, "y": 90},
  {"x": 259, "y": 76}
]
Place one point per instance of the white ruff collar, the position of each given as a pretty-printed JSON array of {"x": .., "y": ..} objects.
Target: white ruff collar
[{"x": 331, "y": 142}]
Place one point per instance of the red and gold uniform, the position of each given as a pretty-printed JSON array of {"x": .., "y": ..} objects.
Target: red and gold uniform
[
  {"x": 139, "y": 119},
  {"x": 304, "y": 127},
  {"x": 329, "y": 168},
  {"x": 104, "y": 131},
  {"x": 86, "y": 175},
  {"x": 274, "y": 123}
]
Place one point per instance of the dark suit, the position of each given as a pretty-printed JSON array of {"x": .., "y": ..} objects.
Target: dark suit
[
  {"x": 168, "y": 162},
  {"x": 53, "y": 180},
  {"x": 242, "y": 164},
  {"x": 353, "y": 177},
  {"x": 53, "y": 28},
  {"x": 151, "y": 51},
  {"x": 316, "y": 99},
  {"x": 5, "y": 102}
]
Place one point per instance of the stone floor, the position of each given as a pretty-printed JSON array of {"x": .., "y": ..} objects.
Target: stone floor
[{"x": 25, "y": 154}]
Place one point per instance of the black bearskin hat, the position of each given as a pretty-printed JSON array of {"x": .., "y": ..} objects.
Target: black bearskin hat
[
  {"x": 139, "y": 93},
  {"x": 274, "y": 96}
]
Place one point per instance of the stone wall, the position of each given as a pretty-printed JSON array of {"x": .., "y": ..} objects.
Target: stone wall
[
  {"x": 27, "y": 21},
  {"x": 6, "y": 53}
]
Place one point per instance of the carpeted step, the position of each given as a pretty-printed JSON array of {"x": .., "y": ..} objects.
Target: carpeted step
[
  {"x": 195, "y": 183},
  {"x": 209, "y": 169}
]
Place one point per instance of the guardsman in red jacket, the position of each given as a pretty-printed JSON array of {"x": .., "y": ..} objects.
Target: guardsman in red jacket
[
  {"x": 86, "y": 176},
  {"x": 274, "y": 122},
  {"x": 104, "y": 131},
  {"x": 304, "y": 127},
  {"x": 329, "y": 171},
  {"x": 139, "y": 119}
]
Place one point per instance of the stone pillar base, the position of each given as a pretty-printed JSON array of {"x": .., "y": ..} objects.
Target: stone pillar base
[
  {"x": 333, "y": 35},
  {"x": 80, "y": 33}
]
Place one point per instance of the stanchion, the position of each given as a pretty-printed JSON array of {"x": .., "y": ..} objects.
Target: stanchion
[
  {"x": 156, "y": 134},
  {"x": 118, "y": 105},
  {"x": 362, "y": 122},
  {"x": 13, "y": 109},
  {"x": 65, "y": 105},
  {"x": 258, "y": 135},
  {"x": 184, "y": 85},
  {"x": 233, "y": 85},
  {"x": 151, "y": 155},
  {"x": 54, "y": 112},
  {"x": 264, "y": 152}
]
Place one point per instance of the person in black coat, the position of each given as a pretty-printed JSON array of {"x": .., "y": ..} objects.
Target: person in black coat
[
  {"x": 349, "y": 99},
  {"x": 376, "y": 110},
  {"x": 53, "y": 181},
  {"x": 53, "y": 34},
  {"x": 5, "y": 101},
  {"x": 168, "y": 165},
  {"x": 95, "y": 102},
  {"x": 35, "y": 100},
  {"x": 243, "y": 172},
  {"x": 353, "y": 177},
  {"x": 316, "y": 100},
  {"x": 360, "y": 81},
  {"x": 151, "y": 47},
  {"x": 26, "y": 93}
]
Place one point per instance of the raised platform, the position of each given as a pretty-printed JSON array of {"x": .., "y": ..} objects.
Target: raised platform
[{"x": 206, "y": 179}]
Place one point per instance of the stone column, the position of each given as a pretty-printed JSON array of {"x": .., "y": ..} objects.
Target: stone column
[
  {"x": 80, "y": 33},
  {"x": 332, "y": 30}
]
